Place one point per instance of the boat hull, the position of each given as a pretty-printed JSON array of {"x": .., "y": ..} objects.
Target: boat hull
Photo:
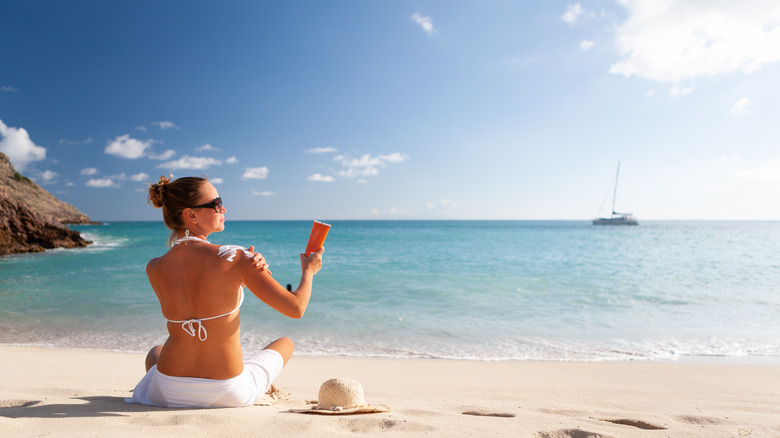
[{"x": 615, "y": 221}]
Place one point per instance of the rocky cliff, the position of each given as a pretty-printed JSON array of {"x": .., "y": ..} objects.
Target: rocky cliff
[{"x": 31, "y": 218}]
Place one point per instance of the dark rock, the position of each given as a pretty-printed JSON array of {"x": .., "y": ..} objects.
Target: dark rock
[{"x": 31, "y": 218}]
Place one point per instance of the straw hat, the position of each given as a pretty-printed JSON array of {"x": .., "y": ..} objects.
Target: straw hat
[{"x": 342, "y": 396}]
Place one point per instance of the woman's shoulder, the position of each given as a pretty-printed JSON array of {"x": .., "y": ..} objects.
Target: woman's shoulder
[
  {"x": 154, "y": 264},
  {"x": 204, "y": 251},
  {"x": 233, "y": 253}
]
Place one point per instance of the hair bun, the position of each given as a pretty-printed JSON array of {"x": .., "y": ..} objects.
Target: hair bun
[{"x": 157, "y": 191}]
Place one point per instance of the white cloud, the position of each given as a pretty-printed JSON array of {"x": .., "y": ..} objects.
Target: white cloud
[
  {"x": 126, "y": 147},
  {"x": 443, "y": 204},
  {"x": 679, "y": 91},
  {"x": 650, "y": 93},
  {"x": 741, "y": 107},
  {"x": 48, "y": 175},
  {"x": 232, "y": 160},
  {"x": 165, "y": 125},
  {"x": 139, "y": 177},
  {"x": 102, "y": 183},
  {"x": 676, "y": 40},
  {"x": 363, "y": 166},
  {"x": 262, "y": 193},
  {"x": 163, "y": 156},
  {"x": 87, "y": 140},
  {"x": 572, "y": 13},
  {"x": 448, "y": 203},
  {"x": 367, "y": 165},
  {"x": 16, "y": 143},
  {"x": 425, "y": 23},
  {"x": 216, "y": 180},
  {"x": 255, "y": 173},
  {"x": 9, "y": 89},
  {"x": 395, "y": 157},
  {"x": 205, "y": 147},
  {"x": 320, "y": 178},
  {"x": 141, "y": 128},
  {"x": 188, "y": 162},
  {"x": 320, "y": 150},
  {"x": 89, "y": 171},
  {"x": 587, "y": 44}
]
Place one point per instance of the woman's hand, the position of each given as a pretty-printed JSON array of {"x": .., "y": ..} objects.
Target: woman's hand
[
  {"x": 259, "y": 261},
  {"x": 313, "y": 263}
]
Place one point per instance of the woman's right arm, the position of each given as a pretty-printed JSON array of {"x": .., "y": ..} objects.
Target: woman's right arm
[{"x": 263, "y": 286}]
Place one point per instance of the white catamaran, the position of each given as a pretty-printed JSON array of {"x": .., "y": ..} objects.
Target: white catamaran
[{"x": 616, "y": 218}]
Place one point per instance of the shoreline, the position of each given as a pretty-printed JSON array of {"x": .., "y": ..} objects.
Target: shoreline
[
  {"x": 697, "y": 359},
  {"x": 81, "y": 393}
]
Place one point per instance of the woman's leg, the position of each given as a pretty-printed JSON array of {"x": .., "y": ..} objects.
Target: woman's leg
[
  {"x": 153, "y": 356},
  {"x": 283, "y": 346}
]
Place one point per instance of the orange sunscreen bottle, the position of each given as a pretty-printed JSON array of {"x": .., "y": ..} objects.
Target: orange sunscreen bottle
[{"x": 317, "y": 237}]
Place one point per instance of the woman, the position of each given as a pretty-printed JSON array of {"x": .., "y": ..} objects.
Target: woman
[{"x": 200, "y": 288}]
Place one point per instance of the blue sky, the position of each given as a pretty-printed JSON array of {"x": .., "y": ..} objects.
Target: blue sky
[{"x": 399, "y": 109}]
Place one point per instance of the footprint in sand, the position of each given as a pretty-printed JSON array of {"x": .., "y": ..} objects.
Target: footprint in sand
[
  {"x": 489, "y": 414},
  {"x": 571, "y": 433},
  {"x": 18, "y": 403},
  {"x": 483, "y": 412},
  {"x": 375, "y": 425},
  {"x": 699, "y": 420},
  {"x": 639, "y": 424},
  {"x": 420, "y": 413}
]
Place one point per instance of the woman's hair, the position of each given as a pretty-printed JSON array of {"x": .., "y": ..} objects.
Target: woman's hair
[{"x": 173, "y": 197}]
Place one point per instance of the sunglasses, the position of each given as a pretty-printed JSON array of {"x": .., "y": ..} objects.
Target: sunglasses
[{"x": 216, "y": 204}]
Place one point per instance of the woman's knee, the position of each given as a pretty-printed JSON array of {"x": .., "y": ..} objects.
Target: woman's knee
[
  {"x": 284, "y": 346},
  {"x": 287, "y": 341}
]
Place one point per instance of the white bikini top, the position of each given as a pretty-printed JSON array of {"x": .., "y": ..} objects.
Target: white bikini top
[{"x": 229, "y": 252}]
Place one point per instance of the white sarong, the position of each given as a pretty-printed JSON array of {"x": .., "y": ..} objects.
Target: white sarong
[{"x": 260, "y": 370}]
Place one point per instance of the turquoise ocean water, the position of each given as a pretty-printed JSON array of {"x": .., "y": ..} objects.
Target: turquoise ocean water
[{"x": 485, "y": 290}]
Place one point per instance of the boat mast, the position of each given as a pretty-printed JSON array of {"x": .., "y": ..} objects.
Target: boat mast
[{"x": 614, "y": 195}]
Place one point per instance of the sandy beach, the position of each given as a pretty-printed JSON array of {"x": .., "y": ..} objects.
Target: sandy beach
[{"x": 47, "y": 392}]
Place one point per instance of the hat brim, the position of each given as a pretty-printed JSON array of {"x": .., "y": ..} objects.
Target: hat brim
[{"x": 364, "y": 409}]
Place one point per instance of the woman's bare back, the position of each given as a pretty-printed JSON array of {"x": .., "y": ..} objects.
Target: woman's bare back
[{"x": 193, "y": 282}]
